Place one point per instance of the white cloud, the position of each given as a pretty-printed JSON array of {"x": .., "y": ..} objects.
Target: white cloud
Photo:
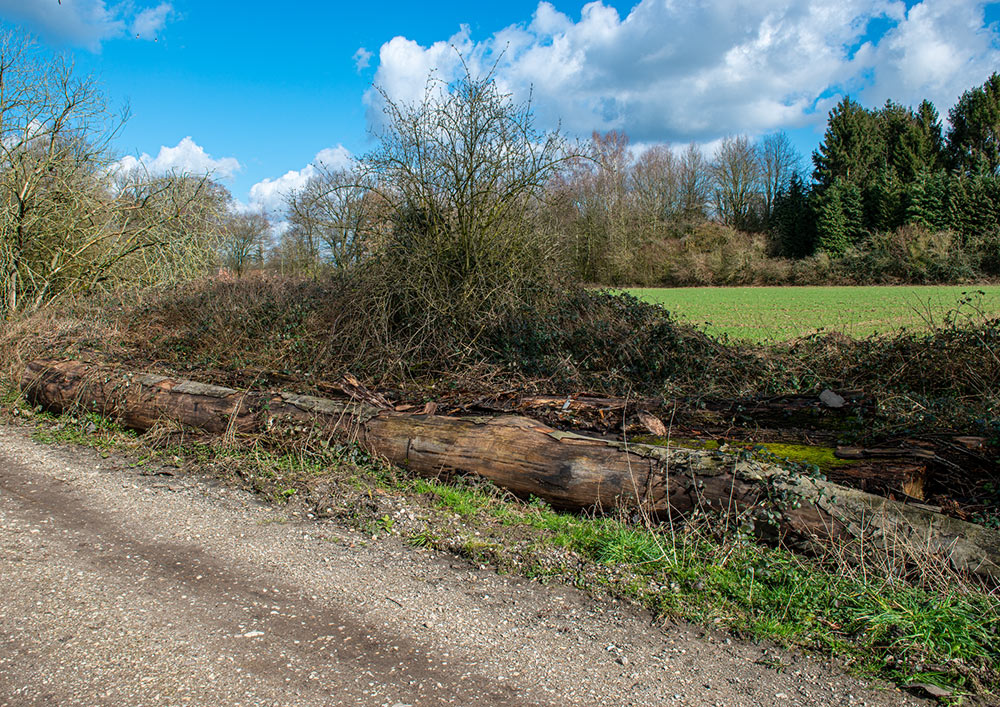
[
  {"x": 86, "y": 23},
  {"x": 270, "y": 194},
  {"x": 187, "y": 157},
  {"x": 938, "y": 50},
  {"x": 682, "y": 71},
  {"x": 362, "y": 58},
  {"x": 148, "y": 23},
  {"x": 404, "y": 67}
]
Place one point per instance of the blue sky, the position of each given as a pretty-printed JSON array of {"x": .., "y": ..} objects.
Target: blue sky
[{"x": 258, "y": 91}]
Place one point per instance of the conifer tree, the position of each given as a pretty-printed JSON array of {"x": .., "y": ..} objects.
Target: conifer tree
[
  {"x": 831, "y": 223},
  {"x": 932, "y": 141},
  {"x": 912, "y": 140},
  {"x": 839, "y": 217},
  {"x": 926, "y": 200},
  {"x": 883, "y": 201},
  {"x": 851, "y": 146},
  {"x": 794, "y": 220},
  {"x": 974, "y": 135}
]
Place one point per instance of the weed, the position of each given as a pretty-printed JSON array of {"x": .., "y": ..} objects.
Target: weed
[{"x": 424, "y": 538}]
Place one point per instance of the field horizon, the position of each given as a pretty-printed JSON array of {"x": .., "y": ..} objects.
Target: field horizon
[{"x": 780, "y": 313}]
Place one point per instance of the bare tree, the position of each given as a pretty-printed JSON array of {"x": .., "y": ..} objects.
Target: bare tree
[
  {"x": 607, "y": 202},
  {"x": 68, "y": 223},
  {"x": 243, "y": 240},
  {"x": 694, "y": 182},
  {"x": 54, "y": 130},
  {"x": 656, "y": 181},
  {"x": 778, "y": 162},
  {"x": 337, "y": 215},
  {"x": 574, "y": 211},
  {"x": 736, "y": 177}
]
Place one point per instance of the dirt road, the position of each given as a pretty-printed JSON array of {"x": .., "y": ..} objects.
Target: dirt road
[{"x": 121, "y": 587}]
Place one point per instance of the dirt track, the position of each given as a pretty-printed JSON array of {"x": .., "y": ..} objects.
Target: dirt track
[{"x": 121, "y": 587}]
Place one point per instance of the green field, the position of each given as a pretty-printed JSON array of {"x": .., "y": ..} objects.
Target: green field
[{"x": 781, "y": 313}]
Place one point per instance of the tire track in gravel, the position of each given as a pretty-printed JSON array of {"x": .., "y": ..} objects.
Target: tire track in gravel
[{"x": 119, "y": 589}]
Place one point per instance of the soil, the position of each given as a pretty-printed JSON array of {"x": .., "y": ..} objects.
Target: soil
[{"x": 124, "y": 586}]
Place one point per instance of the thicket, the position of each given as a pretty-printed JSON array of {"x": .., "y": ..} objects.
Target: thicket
[
  {"x": 74, "y": 218},
  {"x": 260, "y": 331}
]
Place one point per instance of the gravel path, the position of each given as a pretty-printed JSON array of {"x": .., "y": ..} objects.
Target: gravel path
[{"x": 121, "y": 587}]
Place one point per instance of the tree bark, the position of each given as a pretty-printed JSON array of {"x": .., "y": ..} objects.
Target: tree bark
[{"x": 530, "y": 458}]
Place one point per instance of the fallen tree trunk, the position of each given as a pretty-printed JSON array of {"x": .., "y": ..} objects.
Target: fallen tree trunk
[
  {"x": 529, "y": 458},
  {"x": 827, "y": 411}
]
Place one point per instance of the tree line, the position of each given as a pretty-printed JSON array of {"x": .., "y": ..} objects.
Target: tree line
[
  {"x": 891, "y": 195},
  {"x": 879, "y": 170},
  {"x": 463, "y": 189}
]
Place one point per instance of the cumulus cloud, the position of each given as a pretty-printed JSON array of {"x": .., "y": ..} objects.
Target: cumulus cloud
[
  {"x": 938, "y": 50},
  {"x": 187, "y": 157},
  {"x": 87, "y": 23},
  {"x": 270, "y": 194},
  {"x": 405, "y": 66},
  {"x": 682, "y": 71}
]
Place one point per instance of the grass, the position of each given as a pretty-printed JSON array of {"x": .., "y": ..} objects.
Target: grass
[
  {"x": 764, "y": 314},
  {"x": 880, "y": 627}
]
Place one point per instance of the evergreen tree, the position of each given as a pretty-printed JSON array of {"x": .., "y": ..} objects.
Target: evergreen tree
[
  {"x": 852, "y": 146},
  {"x": 794, "y": 221},
  {"x": 932, "y": 143},
  {"x": 912, "y": 141},
  {"x": 854, "y": 211},
  {"x": 883, "y": 201},
  {"x": 965, "y": 201},
  {"x": 927, "y": 200},
  {"x": 831, "y": 223},
  {"x": 974, "y": 135},
  {"x": 831, "y": 229}
]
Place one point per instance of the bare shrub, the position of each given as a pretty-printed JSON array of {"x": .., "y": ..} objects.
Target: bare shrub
[
  {"x": 68, "y": 223},
  {"x": 462, "y": 173}
]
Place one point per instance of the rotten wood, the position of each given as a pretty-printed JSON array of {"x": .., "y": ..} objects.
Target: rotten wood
[{"x": 529, "y": 457}]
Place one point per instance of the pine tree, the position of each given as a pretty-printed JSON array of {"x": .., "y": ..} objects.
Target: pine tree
[
  {"x": 932, "y": 155},
  {"x": 912, "y": 140},
  {"x": 831, "y": 223},
  {"x": 854, "y": 211},
  {"x": 839, "y": 217},
  {"x": 974, "y": 205},
  {"x": 927, "y": 202},
  {"x": 883, "y": 201}
]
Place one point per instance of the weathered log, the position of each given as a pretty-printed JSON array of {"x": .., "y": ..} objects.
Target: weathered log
[{"x": 528, "y": 457}]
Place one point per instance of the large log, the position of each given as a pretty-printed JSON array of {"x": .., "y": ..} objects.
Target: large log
[
  {"x": 529, "y": 458},
  {"x": 827, "y": 411}
]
